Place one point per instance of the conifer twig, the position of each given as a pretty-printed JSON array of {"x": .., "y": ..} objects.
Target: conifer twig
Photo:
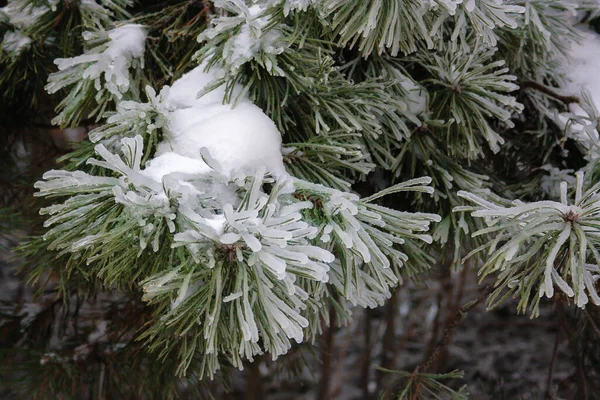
[
  {"x": 547, "y": 91},
  {"x": 449, "y": 331}
]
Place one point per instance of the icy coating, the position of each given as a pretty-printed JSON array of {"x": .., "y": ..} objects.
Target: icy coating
[{"x": 126, "y": 44}]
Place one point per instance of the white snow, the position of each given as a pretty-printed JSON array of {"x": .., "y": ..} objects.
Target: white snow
[
  {"x": 240, "y": 137},
  {"x": 583, "y": 70},
  {"x": 126, "y": 44},
  {"x": 416, "y": 99},
  {"x": 15, "y": 42},
  {"x": 217, "y": 223},
  {"x": 170, "y": 162},
  {"x": 22, "y": 13},
  {"x": 583, "y": 73}
]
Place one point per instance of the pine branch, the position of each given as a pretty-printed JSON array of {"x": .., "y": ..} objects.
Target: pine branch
[{"x": 566, "y": 100}]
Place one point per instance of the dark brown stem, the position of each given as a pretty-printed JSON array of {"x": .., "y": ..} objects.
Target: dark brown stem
[
  {"x": 366, "y": 356},
  {"x": 254, "y": 386},
  {"x": 562, "y": 320},
  {"x": 592, "y": 322},
  {"x": 550, "y": 92},
  {"x": 388, "y": 348},
  {"x": 435, "y": 327},
  {"x": 342, "y": 353},
  {"x": 551, "y": 369},
  {"x": 327, "y": 356},
  {"x": 449, "y": 331},
  {"x": 433, "y": 359}
]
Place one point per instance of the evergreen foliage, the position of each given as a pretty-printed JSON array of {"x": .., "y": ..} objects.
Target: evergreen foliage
[{"x": 414, "y": 134}]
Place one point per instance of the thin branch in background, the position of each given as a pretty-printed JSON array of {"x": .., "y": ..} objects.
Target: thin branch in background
[
  {"x": 449, "y": 331},
  {"x": 254, "y": 387},
  {"x": 453, "y": 304},
  {"x": 337, "y": 380},
  {"x": 327, "y": 356},
  {"x": 436, "y": 326},
  {"x": 582, "y": 385},
  {"x": 590, "y": 319},
  {"x": 365, "y": 363},
  {"x": 388, "y": 347},
  {"x": 549, "y": 395}
]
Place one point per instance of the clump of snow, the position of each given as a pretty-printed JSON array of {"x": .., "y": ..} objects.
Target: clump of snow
[
  {"x": 125, "y": 47},
  {"x": 239, "y": 138},
  {"x": 171, "y": 162},
  {"x": 15, "y": 42},
  {"x": 297, "y": 5},
  {"x": 29, "y": 312},
  {"x": 22, "y": 13},
  {"x": 416, "y": 99}
]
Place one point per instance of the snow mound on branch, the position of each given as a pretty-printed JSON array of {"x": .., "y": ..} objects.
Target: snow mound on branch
[{"x": 239, "y": 138}]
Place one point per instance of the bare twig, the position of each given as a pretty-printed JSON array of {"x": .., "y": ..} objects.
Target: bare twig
[
  {"x": 449, "y": 331},
  {"x": 254, "y": 386},
  {"x": 327, "y": 356},
  {"x": 592, "y": 322},
  {"x": 551, "y": 369},
  {"x": 550, "y": 92},
  {"x": 582, "y": 386},
  {"x": 343, "y": 351},
  {"x": 388, "y": 348},
  {"x": 366, "y": 356}
]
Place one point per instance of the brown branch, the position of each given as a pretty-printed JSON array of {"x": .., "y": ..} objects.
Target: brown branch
[
  {"x": 388, "y": 347},
  {"x": 446, "y": 337},
  {"x": 449, "y": 331},
  {"x": 582, "y": 387},
  {"x": 366, "y": 356},
  {"x": 551, "y": 369},
  {"x": 592, "y": 322},
  {"x": 327, "y": 356},
  {"x": 343, "y": 352},
  {"x": 254, "y": 386},
  {"x": 550, "y": 92}
]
